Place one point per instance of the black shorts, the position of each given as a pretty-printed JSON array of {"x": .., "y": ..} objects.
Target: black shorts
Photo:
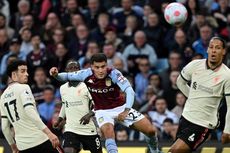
[
  {"x": 45, "y": 147},
  {"x": 89, "y": 142},
  {"x": 193, "y": 135}
]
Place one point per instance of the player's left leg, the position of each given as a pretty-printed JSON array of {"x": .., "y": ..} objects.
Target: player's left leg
[
  {"x": 105, "y": 122},
  {"x": 71, "y": 143},
  {"x": 145, "y": 126},
  {"x": 139, "y": 122}
]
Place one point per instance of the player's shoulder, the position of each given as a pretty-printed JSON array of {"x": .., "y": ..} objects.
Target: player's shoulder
[
  {"x": 196, "y": 63},
  {"x": 64, "y": 86},
  {"x": 82, "y": 85},
  {"x": 87, "y": 71},
  {"x": 225, "y": 71},
  {"x": 20, "y": 87},
  {"x": 114, "y": 74}
]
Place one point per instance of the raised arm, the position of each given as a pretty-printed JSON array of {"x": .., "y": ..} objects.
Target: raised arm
[{"x": 71, "y": 76}]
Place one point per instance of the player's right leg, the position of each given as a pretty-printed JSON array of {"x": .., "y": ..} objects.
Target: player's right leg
[
  {"x": 144, "y": 125},
  {"x": 106, "y": 125},
  {"x": 70, "y": 143},
  {"x": 139, "y": 122},
  {"x": 189, "y": 137}
]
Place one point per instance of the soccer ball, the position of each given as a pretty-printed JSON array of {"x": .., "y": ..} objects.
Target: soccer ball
[{"x": 175, "y": 13}]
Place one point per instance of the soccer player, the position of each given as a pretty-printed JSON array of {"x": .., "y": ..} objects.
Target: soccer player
[
  {"x": 105, "y": 84},
  {"x": 76, "y": 102},
  {"x": 209, "y": 82},
  {"x": 18, "y": 108}
]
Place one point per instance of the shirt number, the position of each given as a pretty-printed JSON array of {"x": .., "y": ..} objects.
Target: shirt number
[{"x": 12, "y": 104}]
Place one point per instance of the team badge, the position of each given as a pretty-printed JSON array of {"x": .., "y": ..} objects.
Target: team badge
[
  {"x": 101, "y": 119},
  {"x": 108, "y": 82}
]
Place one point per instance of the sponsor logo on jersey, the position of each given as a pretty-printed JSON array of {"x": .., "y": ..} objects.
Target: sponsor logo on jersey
[
  {"x": 108, "y": 82},
  {"x": 194, "y": 85},
  {"x": 101, "y": 90},
  {"x": 205, "y": 89}
]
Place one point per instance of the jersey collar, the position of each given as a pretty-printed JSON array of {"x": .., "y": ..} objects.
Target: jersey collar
[{"x": 215, "y": 68}]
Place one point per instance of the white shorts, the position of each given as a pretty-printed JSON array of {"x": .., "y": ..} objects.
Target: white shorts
[{"x": 110, "y": 115}]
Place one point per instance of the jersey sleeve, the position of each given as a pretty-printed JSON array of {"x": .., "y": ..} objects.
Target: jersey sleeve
[
  {"x": 227, "y": 96},
  {"x": 27, "y": 97},
  {"x": 2, "y": 112},
  {"x": 125, "y": 86},
  {"x": 74, "y": 76},
  {"x": 5, "y": 124},
  {"x": 187, "y": 71},
  {"x": 29, "y": 106},
  {"x": 119, "y": 79},
  {"x": 62, "y": 111}
]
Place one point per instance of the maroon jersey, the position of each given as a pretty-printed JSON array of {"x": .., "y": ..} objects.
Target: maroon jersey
[{"x": 105, "y": 93}]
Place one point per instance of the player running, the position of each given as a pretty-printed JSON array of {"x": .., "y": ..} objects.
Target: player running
[
  {"x": 79, "y": 129},
  {"x": 209, "y": 82},
  {"x": 104, "y": 85},
  {"x": 18, "y": 108}
]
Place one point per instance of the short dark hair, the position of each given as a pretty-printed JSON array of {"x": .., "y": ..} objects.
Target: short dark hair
[
  {"x": 72, "y": 61},
  {"x": 99, "y": 57},
  {"x": 220, "y": 39},
  {"x": 14, "y": 66},
  {"x": 50, "y": 88},
  {"x": 169, "y": 120}
]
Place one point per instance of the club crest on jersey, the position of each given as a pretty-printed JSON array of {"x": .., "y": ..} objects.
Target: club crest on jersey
[
  {"x": 101, "y": 119},
  {"x": 108, "y": 82}
]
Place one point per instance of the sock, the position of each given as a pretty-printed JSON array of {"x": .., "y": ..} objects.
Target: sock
[
  {"x": 152, "y": 143},
  {"x": 111, "y": 146}
]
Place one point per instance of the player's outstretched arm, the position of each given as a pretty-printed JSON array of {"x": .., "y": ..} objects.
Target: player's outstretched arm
[{"x": 70, "y": 76}]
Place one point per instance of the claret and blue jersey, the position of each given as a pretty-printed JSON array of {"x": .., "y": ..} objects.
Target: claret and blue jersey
[{"x": 106, "y": 93}]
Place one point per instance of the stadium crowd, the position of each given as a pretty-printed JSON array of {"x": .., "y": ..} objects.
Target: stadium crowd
[{"x": 131, "y": 33}]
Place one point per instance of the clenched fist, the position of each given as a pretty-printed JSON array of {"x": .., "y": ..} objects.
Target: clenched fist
[
  {"x": 225, "y": 138},
  {"x": 54, "y": 71}
]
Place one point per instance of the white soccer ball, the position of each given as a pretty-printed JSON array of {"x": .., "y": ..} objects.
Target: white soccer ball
[{"x": 175, "y": 13}]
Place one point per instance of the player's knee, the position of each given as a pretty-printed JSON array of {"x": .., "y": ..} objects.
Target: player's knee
[
  {"x": 108, "y": 131},
  {"x": 178, "y": 149},
  {"x": 150, "y": 131}
]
